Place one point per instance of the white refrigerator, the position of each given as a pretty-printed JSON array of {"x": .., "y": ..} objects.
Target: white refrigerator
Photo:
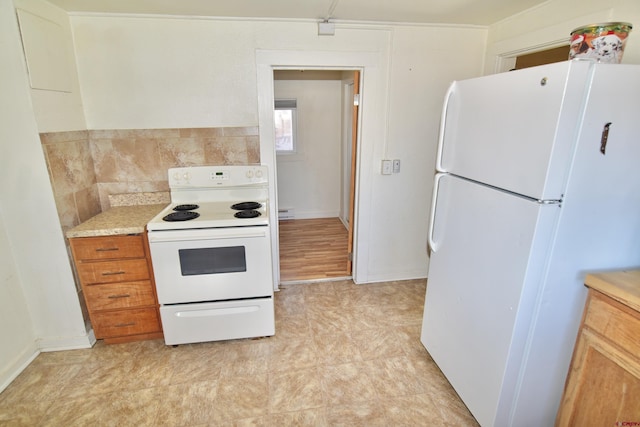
[{"x": 537, "y": 184}]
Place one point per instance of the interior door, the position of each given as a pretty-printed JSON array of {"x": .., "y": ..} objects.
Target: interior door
[
  {"x": 354, "y": 150},
  {"x": 477, "y": 295},
  {"x": 548, "y": 56}
]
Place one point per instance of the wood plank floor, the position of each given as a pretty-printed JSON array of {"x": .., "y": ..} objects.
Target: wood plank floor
[{"x": 313, "y": 249}]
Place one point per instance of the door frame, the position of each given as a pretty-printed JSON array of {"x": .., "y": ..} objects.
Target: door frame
[
  {"x": 506, "y": 61},
  {"x": 370, "y": 134}
]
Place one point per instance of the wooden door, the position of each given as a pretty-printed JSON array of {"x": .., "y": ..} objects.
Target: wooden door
[
  {"x": 354, "y": 151},
  {"x": 549, "y": 56}
]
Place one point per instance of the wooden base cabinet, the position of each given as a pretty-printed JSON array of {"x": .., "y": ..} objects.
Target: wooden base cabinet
[
  {"x": 603, "y": 385},
  {"x": 116, "y": 277}
]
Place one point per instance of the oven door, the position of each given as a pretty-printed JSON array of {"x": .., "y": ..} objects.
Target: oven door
[{"x": 211, "y": 264}]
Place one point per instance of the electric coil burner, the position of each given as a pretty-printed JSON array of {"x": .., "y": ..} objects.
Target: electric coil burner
[
  {"x": 246, "y": 206},
  {"x": 181, "y": 216},
  {"x": 247, "y": 214},
  {"x": 182, "y": 213},
  {"x": 186, "y": 207},
  {"x": 211, "y": 255}
]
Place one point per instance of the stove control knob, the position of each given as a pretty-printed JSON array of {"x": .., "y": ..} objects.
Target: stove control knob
[
  {"x": 249, "y": 174},
  {"x": 258, "y": 173},
  {"x": 186, "y": 176}
]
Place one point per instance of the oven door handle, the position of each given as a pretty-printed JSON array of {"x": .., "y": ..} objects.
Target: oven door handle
[{"x": 205, "y": 234}]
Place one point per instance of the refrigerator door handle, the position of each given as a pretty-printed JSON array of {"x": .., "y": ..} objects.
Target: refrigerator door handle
[
  {"x": 443, "y": 122},
  {"x": 436, "y": 183}
]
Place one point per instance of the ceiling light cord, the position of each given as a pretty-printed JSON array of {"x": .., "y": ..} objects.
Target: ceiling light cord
[{"x": 332, "y": 7}]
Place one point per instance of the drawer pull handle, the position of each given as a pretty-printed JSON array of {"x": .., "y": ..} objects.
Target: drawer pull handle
[
  {"x": 112, "y": 273},
  {"x": 119, "y": 296},
  {"x": 107, "y": 249},
  {"x": 124, "y": 325}
]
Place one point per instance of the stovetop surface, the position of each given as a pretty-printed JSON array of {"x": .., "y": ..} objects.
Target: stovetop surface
[{"x": 212, "y": 214}]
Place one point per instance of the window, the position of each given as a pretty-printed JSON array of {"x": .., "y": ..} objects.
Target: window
[{"x": 285, "y": 123}]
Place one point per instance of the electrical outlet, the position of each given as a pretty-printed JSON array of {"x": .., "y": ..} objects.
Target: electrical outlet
[
  {"x": 387, "y": 167},
  {"x": 396, "y": 166}
]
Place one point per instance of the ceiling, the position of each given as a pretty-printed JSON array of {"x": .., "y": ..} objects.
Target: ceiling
[{"x": 474, "y": 12}]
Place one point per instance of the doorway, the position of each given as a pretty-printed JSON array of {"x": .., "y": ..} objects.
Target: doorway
[
  {"x": 371, "y": 131},
  {"x": 316, "y": 171}
]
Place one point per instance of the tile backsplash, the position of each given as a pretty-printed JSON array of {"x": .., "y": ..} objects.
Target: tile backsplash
[
  {"x": 85, "y": 167},
  {"x": 72, "y": 174}
]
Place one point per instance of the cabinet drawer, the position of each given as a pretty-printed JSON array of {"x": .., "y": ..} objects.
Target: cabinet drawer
[
  {"x": 125, "y": 322},
  {"x": 120, "y": 295},
  {"x": 127, "y": 270},
  {"x": 614, "y": 321},
  {"x": 107, "y": 247}
]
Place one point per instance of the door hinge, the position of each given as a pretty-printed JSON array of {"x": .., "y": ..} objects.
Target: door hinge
[
  {"x": 356, "y": 99},
  {"x": 350, "y": 256}
]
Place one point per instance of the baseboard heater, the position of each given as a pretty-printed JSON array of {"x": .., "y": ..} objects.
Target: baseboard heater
[{"x": 286, "y": 213}]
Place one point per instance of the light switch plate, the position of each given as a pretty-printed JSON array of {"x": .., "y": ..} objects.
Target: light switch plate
[{"x": 387, "y": 167}]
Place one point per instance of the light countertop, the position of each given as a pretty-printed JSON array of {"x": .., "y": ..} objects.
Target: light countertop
[
  {"x": 623, "y": 286},
  {"x": 117, "y": 220}
]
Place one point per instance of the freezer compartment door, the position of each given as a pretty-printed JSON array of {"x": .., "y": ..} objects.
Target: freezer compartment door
[
  {"x": 515, "y": 130},
  {"x": 482, "y": 289}
]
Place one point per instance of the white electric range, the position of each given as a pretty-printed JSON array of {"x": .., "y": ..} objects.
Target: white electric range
[{"x": 211, "y": 255}]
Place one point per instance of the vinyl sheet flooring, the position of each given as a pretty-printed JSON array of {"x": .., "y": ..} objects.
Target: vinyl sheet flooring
[{"x": 343, "y": 355}]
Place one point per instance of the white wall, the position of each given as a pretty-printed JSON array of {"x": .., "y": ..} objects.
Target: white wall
[
  {"x": 38, "y": 301},
  {"x": 310, "y": 180},
  {"x": 16, "y": 328},
  {"x": 149, "y": 72},
  {"x": 138, "y": 72},
  {"x": 56, "y": 110},
  {"x": 550, "y": 25},
  {"x": 421, "y": 69}
]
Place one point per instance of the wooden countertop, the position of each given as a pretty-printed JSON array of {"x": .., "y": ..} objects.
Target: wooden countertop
[
  {"x": 117, "y": 220},
  {"x": 623, "y": 286}
]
